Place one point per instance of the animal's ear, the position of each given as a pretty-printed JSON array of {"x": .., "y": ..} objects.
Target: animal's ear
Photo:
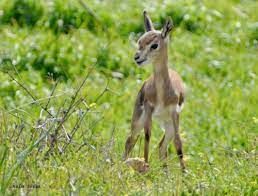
[
  {"x": 147, "y": 22},
  {"x": 168, "y": 26}
]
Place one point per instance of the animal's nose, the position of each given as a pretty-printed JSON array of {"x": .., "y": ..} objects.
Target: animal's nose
[{"x": 136, "y": 56}]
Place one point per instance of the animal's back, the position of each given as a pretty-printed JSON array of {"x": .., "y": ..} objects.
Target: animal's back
[{"x": 178, "y": 85}]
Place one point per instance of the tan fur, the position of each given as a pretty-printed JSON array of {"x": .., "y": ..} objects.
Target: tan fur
[
  {"x": 147, "y": 38},
  {"x": 160, "y": 94},
  {"x": 171, "y": 92}
]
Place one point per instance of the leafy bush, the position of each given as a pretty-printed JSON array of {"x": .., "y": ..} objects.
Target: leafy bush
[
  {"x": 64, "y": 16},
  {"x": 254, "y": 33},
  {"x": 22, "y": 12}
]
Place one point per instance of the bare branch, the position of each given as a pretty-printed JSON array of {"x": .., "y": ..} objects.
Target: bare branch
[
  {"x": 52, "y": 92},
  {"x": 28, "y": 92}
]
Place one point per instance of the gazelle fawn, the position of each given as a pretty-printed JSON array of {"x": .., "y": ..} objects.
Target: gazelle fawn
[{"x": 161, "y": 96}]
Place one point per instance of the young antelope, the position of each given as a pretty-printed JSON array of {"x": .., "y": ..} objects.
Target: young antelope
[{"x": 161, "y": 95}]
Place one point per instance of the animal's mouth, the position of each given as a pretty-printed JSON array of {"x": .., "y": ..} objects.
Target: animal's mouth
[{"x": 140, "y": 62}]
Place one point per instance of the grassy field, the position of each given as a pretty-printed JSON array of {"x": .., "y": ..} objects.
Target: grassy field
[{"x": 68, "y": 84}]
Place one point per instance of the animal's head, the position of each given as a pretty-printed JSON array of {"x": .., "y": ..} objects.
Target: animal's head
[{"x": 153, "y": 43}]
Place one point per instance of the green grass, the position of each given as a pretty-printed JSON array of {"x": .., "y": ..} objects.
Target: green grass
[{"x": 43, "y": 43}]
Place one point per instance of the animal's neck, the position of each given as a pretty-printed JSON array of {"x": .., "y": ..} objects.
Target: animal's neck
[
  {"x": 161, "y": 75},
  {"x": 161, "y": 68}
]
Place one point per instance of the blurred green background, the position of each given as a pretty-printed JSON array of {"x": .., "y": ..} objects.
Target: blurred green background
[{"x": 53, "y": 44}]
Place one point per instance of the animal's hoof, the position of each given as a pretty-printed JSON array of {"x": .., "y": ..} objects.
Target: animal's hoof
[
  {"x": 185, "y": 171},
  {"x": 138, "y": 164}
]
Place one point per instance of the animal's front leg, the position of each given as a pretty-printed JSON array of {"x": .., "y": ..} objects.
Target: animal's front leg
[
  {"x": 147, "y": 131},
  {"x": 169, "y": 132}
]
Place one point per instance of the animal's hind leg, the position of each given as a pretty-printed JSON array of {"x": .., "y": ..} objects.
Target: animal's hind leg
[
  {"x": 177, "y": 140},
  {"x": 136, "y": 127},
  {"x": 137, "y": 122}
]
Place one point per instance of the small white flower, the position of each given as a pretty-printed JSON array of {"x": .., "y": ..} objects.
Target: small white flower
[
  {"x": 60, "y": 23},
  {"x": 186, "y": 17}
]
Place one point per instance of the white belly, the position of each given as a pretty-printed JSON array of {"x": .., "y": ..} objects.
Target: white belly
[{"x": 164, "y": 113}]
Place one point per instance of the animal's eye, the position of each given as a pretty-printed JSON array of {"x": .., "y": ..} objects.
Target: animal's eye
[{"x": 154, "y": 46}]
